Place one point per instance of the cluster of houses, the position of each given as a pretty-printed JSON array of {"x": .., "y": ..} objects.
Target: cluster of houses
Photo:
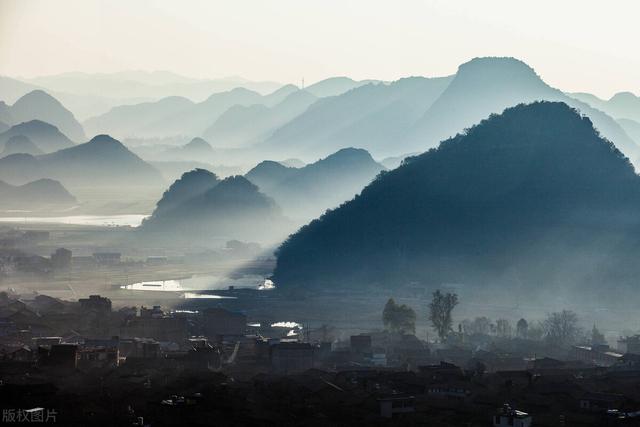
[{"x": 44, "y": 340}]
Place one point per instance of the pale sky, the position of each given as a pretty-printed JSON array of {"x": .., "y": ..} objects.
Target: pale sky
[{"x": 574, "y": 45}]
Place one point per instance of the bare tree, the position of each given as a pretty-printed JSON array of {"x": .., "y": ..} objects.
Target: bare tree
[
  {"x": 561, "y": 328},
  {"x": 440, "y": 310}
]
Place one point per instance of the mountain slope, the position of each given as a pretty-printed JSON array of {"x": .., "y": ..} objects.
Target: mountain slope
[
  {"x": 306, "y": 192},
  {"x": 190, "y": 184},
  {"x": 484, "y": 86},
  {"x": 125, "y": 120},
  {"x": 39, "y": 105},
  {"x": 373, "y": 116},
  {"x": 622, "y": 105},
  {"x": 242, "y": 125},
  {"x": 20, "y": 144},
  {"x": 44, "y": 135},
  {"x": 334, "y": 86},
  {"x": 40, "y": 194},
  {"x": 232, "y": 209},
  {"x": 99, "y": 163},
  {"x": 534, "y": 191}
]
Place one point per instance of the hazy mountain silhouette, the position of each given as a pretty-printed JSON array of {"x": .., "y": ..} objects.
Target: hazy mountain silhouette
[
  {"x": 373, "y": 116},
  {"x": 126, "y": 120},
  {"x": 335, "y": 86},
  {"x": 101, "y": 162},
  {"x": 40, "y": 194},
  {"x": 242, "y": 125},
  {"x": 622, "y": 105},
  {"x": 306, "y": 192},
  {"x": 4, "y": 127},
  {"x": 39, "y": 105},
  {"x": 12, "y": 89},
  {"x": 232, "y": 209},
  {"x": 631, "y": 127},
  {"x": 141, "y": 84},
  {"x": 484, "y": 86},
  {"x": 44, "y": 135},
  {"x": 534, "y": 191},
  {"x": 190, "y": 184},
  {"x": 196, "y": 149},
  {"x": 20, "y": 144},
  {"x": 395, "y": 161}
]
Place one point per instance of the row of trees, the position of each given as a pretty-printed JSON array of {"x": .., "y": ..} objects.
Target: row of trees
[
  {"x": 402, "y": 318},
  {"x": 558, "y": 328}
]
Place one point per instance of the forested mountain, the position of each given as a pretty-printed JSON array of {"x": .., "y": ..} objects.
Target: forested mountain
[
  {"x": 20, "y": 144},
  {"x": 533, "y": 195},
  {"x": 232, "y": 209}
]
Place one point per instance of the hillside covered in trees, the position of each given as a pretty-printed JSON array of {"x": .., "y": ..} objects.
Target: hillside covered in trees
[{"x": 533, "y": 195}]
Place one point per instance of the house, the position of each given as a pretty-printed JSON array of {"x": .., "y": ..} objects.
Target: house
[
  {"x": 61, "y": 259},
  {"x": 599, "y": 355},
  {"x": 107, "y": 258},
  {"x": 292, "y": 357},
  {"x": 218, "y": 321},
  {"x": 508, "y": 417},
  {"x": 360, "y": 344},
  {"x": 600, "y": 402},
  {"x": 95, "y": 303},
  {"x": 389, "y": 406}
]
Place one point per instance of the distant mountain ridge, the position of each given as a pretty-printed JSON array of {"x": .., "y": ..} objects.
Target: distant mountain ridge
[
  {"x": 45, "y": 136},
  {"x": 101, "y": 162},
  {"x": 308, "y": 191},
  {"x": 39, "y": 105},
  {"x": 40, "y": 194},
  {"x": 534, "y": 192}
]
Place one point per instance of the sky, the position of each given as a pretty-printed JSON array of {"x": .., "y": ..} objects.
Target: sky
[{"x": 582, "y": 45}]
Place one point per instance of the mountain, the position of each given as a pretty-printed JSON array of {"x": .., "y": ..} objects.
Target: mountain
[
  {"x": 99, "y": 163},
  {"x": 622, "y": 105},
  {"x": 395, "y": 161},
  {"x": 39, "y": 105},
  {"x": 44, "y": 135},
  {"x": 141, "y": 84},
  {"x": 190, "y": 184},
  {"x": 335, "y": 86},
  {"x": 40, "y": 194},
  {"x": 232, "y": 209},
  {"x": 533, "y": 197},
  {"x": 631, "y": 127},
  {"x": 484, "y": 86},
  {"x": 20, "y": 144},
  {"x": 3, "y": 127},
  {"x": 196, "y": 149},
  {"x": 308, "y": 191},
  {"x": 125, "y": 120},
  {"x": 12, "y": 89},
  {"x": 242, "y": 125},
  {"x": 374, "y": 116}
]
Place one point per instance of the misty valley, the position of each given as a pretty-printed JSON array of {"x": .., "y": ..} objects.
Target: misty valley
[{"x": 452, "y": 250}]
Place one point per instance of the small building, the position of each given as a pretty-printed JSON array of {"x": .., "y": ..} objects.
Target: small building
[
  {"x": 629, "y": 345},
  {"x": 95, "y": 303},
  {"x": 599, "y": 355},
  {"x": 601, "y": 402},
  {"x": 292, "y": 357},
  {"x": 390, "y": 406},
  {"x": 61, "y": 259},
  {"x": 107, "y": 258},
  {"x": 509, "y": 417},
  {"x": 218, "y": 321},
  {"x": 361, "y": 344}
]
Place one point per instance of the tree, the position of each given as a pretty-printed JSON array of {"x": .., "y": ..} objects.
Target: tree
[
  {"x": 597, "y": 337},
  {"x": 503, "y": 328},
  {"x": 561, "y": 328},
  {"x": 522, "y": 328},
  {"x": 440, "y": 310},
  {"x": 398, "y": 318}
]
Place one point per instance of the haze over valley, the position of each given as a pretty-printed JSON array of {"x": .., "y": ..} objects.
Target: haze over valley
[{"x": 347, "y": 215}]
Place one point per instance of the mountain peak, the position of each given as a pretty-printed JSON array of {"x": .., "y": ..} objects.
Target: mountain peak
[{"x": 105, "y": 140}]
